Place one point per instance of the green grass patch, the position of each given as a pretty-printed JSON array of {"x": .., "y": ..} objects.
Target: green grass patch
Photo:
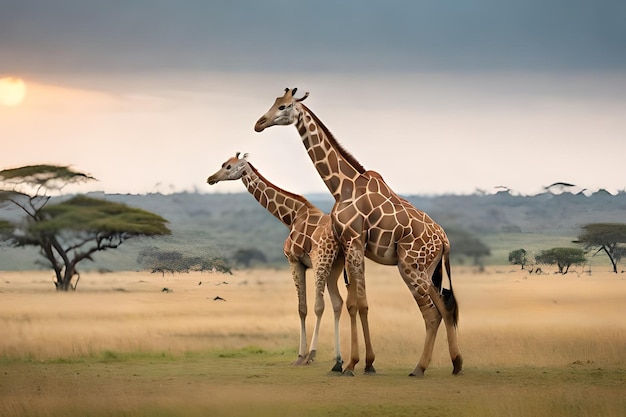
[
  {"x": 242, "y": 353},
  {"x": 105, "y": 356},
  {"x": 255, "y": 381},
  {"x": 116, "y": 356}
]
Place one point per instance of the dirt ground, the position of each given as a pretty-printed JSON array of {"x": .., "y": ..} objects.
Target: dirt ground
[{"x": 135, "y": 343}]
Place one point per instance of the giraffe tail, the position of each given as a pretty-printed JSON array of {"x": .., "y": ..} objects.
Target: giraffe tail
[{"x": 448, "y": 294}]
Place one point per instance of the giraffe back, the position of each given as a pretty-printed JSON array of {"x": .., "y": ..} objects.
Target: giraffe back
[{"x": 392, "y": 223}]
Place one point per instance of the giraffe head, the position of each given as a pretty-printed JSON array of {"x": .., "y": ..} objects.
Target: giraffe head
[
  {"x": 232, "y": 169},
  {"x": 283, "y": 112}
]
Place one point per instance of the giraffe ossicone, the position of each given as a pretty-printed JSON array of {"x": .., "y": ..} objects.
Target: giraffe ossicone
[
  {"x": 371, "y": 220},
  {"x": 309, "y": 245}
]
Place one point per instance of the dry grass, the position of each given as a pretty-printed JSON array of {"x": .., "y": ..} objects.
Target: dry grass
[{"x": 533, "y": 345}]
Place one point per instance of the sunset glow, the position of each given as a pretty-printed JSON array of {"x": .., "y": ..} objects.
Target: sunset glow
[{"x": 12, "y": 91}]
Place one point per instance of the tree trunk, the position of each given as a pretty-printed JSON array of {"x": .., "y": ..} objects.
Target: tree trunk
[
  {"x": 64, "y": 283},
  {"x": 609, "y": 253},
  {"x": 613, "y": 261},
  {"x": 59, "y": 279}
]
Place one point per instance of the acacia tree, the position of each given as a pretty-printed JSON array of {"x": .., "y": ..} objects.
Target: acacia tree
[
  {"x": 607, "y": 237},
  {"x": 562, "y": 257},
  {"x": 72, "y": 230},
  {"x": 518, "y": 257}
]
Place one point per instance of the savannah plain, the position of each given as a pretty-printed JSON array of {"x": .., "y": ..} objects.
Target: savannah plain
[{"x": 533, "y": 345}]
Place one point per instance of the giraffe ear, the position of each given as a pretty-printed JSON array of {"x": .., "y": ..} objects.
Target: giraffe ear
[
  {"x": 245, "y": 156},
  {"x": 303, "y": 97}
]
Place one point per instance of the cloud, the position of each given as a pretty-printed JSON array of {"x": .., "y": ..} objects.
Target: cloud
[{"x": 279, "y": 35}]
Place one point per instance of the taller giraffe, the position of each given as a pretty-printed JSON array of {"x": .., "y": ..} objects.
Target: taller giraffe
[
  {"x": 310, "y": 244},
  {"x": 370, "y": 220}
]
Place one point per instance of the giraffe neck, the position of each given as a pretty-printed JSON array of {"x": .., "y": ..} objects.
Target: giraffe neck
[
  {"x": 337, "y": 168},
  {"x": 280, "y": 203}
]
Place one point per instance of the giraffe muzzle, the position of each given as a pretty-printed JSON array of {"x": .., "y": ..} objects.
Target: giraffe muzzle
[{"x": 260, "y": 125}]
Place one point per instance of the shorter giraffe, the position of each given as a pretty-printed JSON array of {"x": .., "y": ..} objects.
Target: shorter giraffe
[{"x": 310, "y": 244}]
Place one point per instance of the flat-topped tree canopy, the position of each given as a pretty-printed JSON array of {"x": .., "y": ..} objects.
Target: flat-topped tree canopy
[
  {"x": 92, "y": 215},
  {"x": 49, "y": 176}
]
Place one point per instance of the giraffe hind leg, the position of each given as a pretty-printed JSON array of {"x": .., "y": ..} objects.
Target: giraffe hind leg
[
  {"x": 432, "y": 321},
  {"x": 449, "y": 311},
  {"x": 418, "y": 282}
]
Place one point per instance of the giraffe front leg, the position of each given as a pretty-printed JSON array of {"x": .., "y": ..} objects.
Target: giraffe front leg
[
  {"x": 337, "y": 302},
  {"x": 363, "y": 308},
  {"x": 321, "y": 273},
  {"x": 357, "y": 303},
  {"x": 351, "y": 306},
  {"x": 369, "y": 351},
  {"x": 298, "y": 274}
]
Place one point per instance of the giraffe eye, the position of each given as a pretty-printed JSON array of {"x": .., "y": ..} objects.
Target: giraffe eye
[
  {"x": 281, "y": 107},
  {"x": 227, "y": 166}
]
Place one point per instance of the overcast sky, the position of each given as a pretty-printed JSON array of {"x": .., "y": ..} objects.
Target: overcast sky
[{"x": 438, "y": 96}]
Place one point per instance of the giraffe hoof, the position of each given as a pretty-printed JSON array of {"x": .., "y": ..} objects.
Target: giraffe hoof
[
  {"x": 417, "y": 373},
  {"x": 348, "y": 372},
  {"x": 310, "y": 357},
  {"x": 457, "y": 363},
  {"x": 369, "y": 370},
  {"x": 300, "y": 361},
  {"x": 338, "y": 366}
]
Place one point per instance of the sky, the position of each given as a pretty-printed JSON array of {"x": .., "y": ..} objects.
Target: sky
[{"x": 438, "y": 97}]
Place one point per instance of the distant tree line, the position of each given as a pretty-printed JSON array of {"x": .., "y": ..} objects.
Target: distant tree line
[
  {"x": 170, "y": 261},
  {"x": 607, "y": 238}
]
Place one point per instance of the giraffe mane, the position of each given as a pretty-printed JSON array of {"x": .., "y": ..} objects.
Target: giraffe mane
[
  {"x": 342, "y": 151},
  {"x": 280, "y": 190}
]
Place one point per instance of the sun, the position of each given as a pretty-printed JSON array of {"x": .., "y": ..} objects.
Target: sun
[{"x": 12, "y": 91}]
